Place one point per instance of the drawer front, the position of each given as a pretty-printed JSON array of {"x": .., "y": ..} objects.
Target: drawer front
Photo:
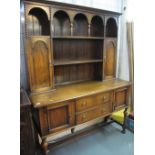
[
  {"x": 85, "y": 103},
  {"x": 87, "y": 116},
  {"x": 101, "y": 110},
  {"x": 103, "y": 98},
  {"x": 105, "y": 108},
  {"x": 92, "y": 101}
]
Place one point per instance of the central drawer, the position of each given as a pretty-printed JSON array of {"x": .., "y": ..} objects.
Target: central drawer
[
  {"x": 100, "y": 110},
  {"x": 87, "y": 116},
  {"x": 92, "y": 101}
]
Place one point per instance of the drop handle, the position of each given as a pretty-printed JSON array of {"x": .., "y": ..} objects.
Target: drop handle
[
  {"x": 103, "y": 110},
  {"x": 84, "y": 103},
  {"x": 84, "y": 117}
]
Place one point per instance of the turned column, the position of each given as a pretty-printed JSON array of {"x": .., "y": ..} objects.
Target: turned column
[
  {"x": 89, "y": 29},
  {"x": 71, "y": 26},
  {"x": 124, "y": 123},
  {"x": 44, "y": 145}
]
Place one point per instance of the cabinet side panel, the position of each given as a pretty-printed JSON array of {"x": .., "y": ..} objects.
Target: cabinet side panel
[{"x": 43, "y": 121}]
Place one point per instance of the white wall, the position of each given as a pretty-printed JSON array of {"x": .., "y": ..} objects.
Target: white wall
[{"x": 112, "y": 5}]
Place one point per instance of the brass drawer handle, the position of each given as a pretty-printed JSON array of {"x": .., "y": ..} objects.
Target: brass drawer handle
[
  {"x": 103, "y": 111},
  {"x": 84, "y": 103},
  {"x": 104, "y": 97},
  {"x": 84, "y": 117}
]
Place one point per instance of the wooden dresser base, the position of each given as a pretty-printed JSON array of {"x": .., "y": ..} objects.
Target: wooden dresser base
[{"x": 45, "y": 145}]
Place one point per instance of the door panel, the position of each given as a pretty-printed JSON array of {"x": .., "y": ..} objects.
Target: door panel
[
  {"x": 61, "y": 117},
  {"x": 58, "y": 117},
  {"x": 121, "y": 98},
  {"x": 41, "y": 64},
  {"x": 39, "y": 58},
  {"x": 110, "y": 59}
]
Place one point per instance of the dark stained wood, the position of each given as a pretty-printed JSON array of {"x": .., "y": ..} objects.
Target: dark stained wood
[
  {"x": 27, "y": 136},
  {"x": 60, "y": 63},
  {"x": 37, "y": 21},
  {"x": 110, "y": 58},
  {"x": 124, "y": 122},
  {"x": 61, "y": 24},
  {"x": 38, "y": 54},
  {"x": 111, "y": 28},
  {"x": 97, "y": 26},
  {"x": 80, "y": 25},
  {"x": 79, "y": 37},
  {"x": 71, "y": 57}
]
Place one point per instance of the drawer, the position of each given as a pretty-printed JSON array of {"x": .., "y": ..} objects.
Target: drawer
[
  {"x": 92, "y": 101},
  {"x": 103, "y": 98},
  {"x": 87, "y": 116},
  {"x": 105, "y": 108},
  {"x": 85, "y": 103}
]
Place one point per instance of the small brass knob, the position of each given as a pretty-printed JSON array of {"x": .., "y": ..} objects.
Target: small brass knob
[
  {"x": 84, "y": 103},
  {"x": 84, "y": 116}
]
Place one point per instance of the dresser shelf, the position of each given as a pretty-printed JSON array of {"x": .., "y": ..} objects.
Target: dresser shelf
[
  {"x": 69, "y": 62},
  {"x": 79, "y": 37}
]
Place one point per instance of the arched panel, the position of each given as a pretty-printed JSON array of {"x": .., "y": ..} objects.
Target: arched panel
[
  {"x": 40, "y": 57},
  {"x": 111, "y": 28},
  {"x": 97, "y": 26},
  {"x": 80, "y": 25},
  {"x": 110, "y": 59},
  {"x": 38, "y": 23},
  {"x": 61, "y": 23}
]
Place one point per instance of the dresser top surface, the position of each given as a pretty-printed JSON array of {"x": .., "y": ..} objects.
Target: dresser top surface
[{"x": 74, "y": 91}]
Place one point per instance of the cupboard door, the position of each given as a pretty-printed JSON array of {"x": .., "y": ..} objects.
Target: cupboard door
[
  {"x": 120, "y": 98},
  {"x": 61, "y": 117},
  {"x": 110, "y": 57},
  {"x": 39, "y": 58}
]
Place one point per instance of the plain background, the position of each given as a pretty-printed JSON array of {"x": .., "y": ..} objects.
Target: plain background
[{"x": 144, "y": 54}]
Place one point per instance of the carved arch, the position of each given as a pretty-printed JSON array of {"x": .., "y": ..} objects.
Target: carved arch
[
  {"x": 111, "y": 27},
  {"x": 80, "y": 25}
]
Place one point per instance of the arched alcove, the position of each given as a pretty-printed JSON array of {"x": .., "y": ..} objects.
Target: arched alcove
[
  {"x": 80, "y": 26},
  {"x": 61, "y": 23},
  {"x": 97, "y": 26},
  {"x": 111, "y": 28},
  {"x": 38, "y": 22}
]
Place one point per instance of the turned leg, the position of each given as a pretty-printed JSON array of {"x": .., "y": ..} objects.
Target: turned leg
[
  {"x": 44, "y": 147},
  {"x": 72, "y": 130},
  {"x": 106, "y": 119},
  {"x": 124, "y": 123}
]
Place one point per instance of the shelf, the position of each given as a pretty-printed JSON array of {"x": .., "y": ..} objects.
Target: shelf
[
  {"x": 62, "y": 63},
  {"x": 78, "y": 37},
  {"x": 72, "y": 82},
  {"x": 110, "y": 37}
]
